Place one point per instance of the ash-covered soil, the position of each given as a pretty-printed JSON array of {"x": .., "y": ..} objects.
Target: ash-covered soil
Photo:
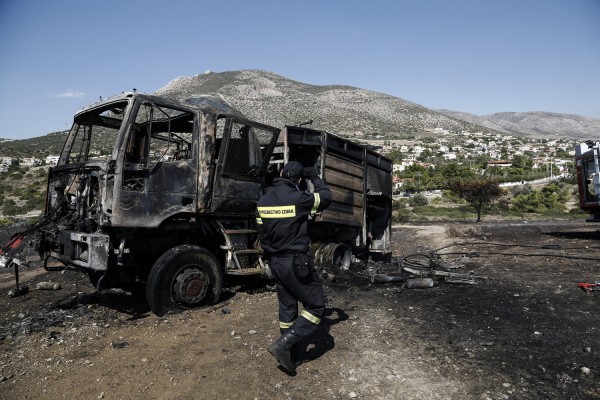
[{"x": 523, "y": 331}]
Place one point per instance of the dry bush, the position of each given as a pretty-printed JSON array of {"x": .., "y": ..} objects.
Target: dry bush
[{"x": 462, "y": 231}]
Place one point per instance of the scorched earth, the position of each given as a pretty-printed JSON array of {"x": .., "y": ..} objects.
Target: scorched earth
[{"x": 524, "y": 330}]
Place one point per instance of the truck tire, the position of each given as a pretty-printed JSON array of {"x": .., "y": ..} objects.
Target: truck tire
[
  {"x": 94, "y": 277},
  {"x": 183, "y": 277}
]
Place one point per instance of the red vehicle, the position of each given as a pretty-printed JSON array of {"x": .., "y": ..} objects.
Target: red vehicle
[{"x": 587, "y": 161}]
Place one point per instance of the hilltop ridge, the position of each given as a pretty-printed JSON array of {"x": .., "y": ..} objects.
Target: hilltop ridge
[{"x": 276, "y": 100}]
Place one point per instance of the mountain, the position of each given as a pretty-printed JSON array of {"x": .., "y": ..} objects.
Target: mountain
[
  {"x": 275, "y": 100},
  {"x": 537, "y": 124},
  {"x": 272, "y": 99}
]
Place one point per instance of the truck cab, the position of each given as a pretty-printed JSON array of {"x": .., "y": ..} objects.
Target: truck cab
[{"x": 140, "y": 175}]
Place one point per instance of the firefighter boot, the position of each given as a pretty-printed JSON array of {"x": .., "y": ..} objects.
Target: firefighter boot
[
  {"x": 281, "y": 350},
  {"x": 295, "y": 352}
]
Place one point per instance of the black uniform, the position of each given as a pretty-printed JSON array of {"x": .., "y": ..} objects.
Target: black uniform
[{"x": 283, "y": 215}]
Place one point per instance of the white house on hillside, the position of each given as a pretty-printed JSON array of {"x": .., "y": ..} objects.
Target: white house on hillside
[
  {"x": 449, "y": 156},
  {"x": 30, "y": 161},
  {"x": 52, "y": 160}
]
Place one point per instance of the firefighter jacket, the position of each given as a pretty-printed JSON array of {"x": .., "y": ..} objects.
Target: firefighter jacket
[{"x": 283, "y": 214}]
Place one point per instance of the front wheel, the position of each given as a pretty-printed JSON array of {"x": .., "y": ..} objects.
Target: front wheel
[{"x": 183, "y": 277}]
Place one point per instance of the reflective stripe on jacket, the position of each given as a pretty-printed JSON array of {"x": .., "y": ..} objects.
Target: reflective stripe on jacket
[{"x": 282, "y": 215}]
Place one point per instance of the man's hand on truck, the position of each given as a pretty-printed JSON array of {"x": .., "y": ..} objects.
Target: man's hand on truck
[{"x": 310, "y": 173}]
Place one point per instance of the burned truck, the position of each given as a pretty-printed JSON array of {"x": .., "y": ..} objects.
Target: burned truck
[{"x": 152, "y": 191}]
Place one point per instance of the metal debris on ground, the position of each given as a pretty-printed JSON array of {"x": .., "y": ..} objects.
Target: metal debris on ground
[
  {"x": 589, "y": 286},
  {"x": 419, "y": 271},
  {"x": 18, "y": 291},
  {"x": 420, "y": 283},
  {"x": 411, "y": 272},
  {"x": 424, "y": 266},
  {"x": 48, "y": 286}
]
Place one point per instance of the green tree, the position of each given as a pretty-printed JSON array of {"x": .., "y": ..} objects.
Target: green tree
[
  {"x": 396, "y": 156},
  {"x": 425, "y": 155},
  {"x": 412, "y": 186},
  {"x": 479, "y": 193},
  {"x": 481, "y": 161},
  {"x": 421, "y": 178},
  {"x": 454, "y": 170},
  {"x": 524, "y": 163},
  {"x": 415, "y": 170},
  {"x": 528, "y": 203}
]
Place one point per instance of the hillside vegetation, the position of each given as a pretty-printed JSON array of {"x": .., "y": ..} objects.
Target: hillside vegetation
[{"x": 22, "y": 192}]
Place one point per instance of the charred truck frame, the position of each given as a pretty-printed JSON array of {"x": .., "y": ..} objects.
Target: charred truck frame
[{"x": 162, "y": 192}]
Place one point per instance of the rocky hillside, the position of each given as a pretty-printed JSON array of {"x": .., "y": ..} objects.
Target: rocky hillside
[
  {"x": 278, "y": 101},
  {"x": 535, "y": 124},
  {"x": 272, "y": 99}
]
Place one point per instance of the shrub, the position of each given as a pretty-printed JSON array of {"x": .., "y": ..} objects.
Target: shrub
[
  {"x": 521, "y": 189},
  {"x": 528, "y": 203},
  {"x": 399, "y": 204},
  {"x": 402, "y": 216},
  {"x": 577, "y": 210},
  {"x": 418, "y": 201},
  {"x": 551, "y": 197}
]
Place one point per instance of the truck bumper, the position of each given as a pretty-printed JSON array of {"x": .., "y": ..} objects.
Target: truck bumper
[{"x": 84, "y": 250}]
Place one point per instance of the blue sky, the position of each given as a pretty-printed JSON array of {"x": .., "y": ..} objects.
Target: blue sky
[{"x": 476, "y": 56}]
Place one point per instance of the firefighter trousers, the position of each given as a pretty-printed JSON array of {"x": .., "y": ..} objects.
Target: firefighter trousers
[{"x": 292, "y": 289}]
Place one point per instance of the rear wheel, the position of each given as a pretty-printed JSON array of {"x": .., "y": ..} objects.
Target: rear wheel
[{"x": 184, "y": 277}]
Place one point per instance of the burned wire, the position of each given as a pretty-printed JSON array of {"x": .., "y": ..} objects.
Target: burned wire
[{"x": 480, "y": 253}]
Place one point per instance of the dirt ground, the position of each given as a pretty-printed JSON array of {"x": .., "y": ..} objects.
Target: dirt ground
[{"x": 525, "y": 331}]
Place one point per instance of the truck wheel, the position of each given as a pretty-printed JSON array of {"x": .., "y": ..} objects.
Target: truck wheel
[
  {"x": 94, "y": 277},
  {"x": 184, "y": 277}
]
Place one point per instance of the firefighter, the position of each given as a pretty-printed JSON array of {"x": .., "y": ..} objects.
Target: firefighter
[{"x": 282, "y": 216}]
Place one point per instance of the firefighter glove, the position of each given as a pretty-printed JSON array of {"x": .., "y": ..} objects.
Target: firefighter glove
[{"x": 310, "y": 173}]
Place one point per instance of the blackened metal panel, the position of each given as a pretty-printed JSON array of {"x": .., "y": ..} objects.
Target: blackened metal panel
[
  {"x": 297, "y": 135},
  {"x": 346, "y": 148},
  {"x": 234, "y": 197},
  {"x": 345, "y": 179},
  {"x": 379, "y": 174},
  {"x": 379, "y": 202},
  {"x": 342, "y": 164},
  {"x": 169, "y": 188},
  {"x": 173, "y": 176},
  {"x": 380, "y": 162},
  {"x": 379, "y": 181}
]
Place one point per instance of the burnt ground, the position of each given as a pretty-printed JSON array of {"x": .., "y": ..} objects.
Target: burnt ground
[{"x": 524, "y": 332}]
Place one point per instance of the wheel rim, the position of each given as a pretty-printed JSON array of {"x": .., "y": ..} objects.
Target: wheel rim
[{"x": 190, "y": 285}]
